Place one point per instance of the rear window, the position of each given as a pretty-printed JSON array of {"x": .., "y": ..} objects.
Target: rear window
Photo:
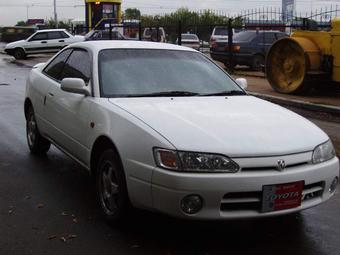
[
  {"x": 153, "y": 31},
  {"x": 189, "y": 37},
  {"x": 244, "y": 36},
  {"x": 221, "y": 31}
]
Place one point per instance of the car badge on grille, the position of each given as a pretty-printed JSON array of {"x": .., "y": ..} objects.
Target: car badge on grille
[{"x": 281, "y": 164}]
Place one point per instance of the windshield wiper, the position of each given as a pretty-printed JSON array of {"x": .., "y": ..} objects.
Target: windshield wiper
[
  {"x": 166, "y": 94},
  {"x": 225, "y": 93}
]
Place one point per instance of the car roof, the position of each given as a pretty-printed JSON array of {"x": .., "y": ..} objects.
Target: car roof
[
  {"x": 51, "y": 30},
  {"x": 96, "y": 46}
]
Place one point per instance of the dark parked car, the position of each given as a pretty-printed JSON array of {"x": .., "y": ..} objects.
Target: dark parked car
[
  {"x": 95, "y": 35},
  {"x": 11, "y": 34},
  {"x": 249, "y": 48}
]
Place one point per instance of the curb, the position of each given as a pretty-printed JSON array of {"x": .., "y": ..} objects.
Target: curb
[{"x": 328, "y": 109}]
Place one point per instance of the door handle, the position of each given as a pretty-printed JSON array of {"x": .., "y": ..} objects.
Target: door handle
[
  {"x": 61, "y": 40},
  {"x": 43, "y": 42},
  {"x": 50, "y": 94}
]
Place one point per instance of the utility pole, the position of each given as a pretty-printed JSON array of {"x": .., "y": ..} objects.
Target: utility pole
[
  {"x": 55, "y": 13},
  {"x": 27, "y": 6}
]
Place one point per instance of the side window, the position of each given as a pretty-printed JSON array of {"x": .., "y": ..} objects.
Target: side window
[
  {"x": 270, "y": 38},
  {"x": 258, "y": 38},
  {"x": 39, "y": 37},
  {"x": 64, "y": 35},
  {"x": 55, "y": 68},
  {"x": 78, "y": 66},
  {"x": 280, "y": 35},
  {"x": 54, "y": 35}
]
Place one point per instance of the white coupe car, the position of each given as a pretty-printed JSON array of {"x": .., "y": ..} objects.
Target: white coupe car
[
  {"x": 164, "y": 128},
  {"x": 42, "y": 41}
]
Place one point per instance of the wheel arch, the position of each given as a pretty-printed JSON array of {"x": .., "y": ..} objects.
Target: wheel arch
[
  {"x": 101, "y": 144},
  {"x": 19, "y": 47},
  {"x": 27, "y": 105}
]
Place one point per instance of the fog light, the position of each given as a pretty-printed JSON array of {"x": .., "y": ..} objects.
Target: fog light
[
  {"x": 333, "y": 185},
  {"x": 191, "y": 204}
]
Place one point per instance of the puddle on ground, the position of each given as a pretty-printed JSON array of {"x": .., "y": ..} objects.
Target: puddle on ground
[{"x": 15, "y": 62}]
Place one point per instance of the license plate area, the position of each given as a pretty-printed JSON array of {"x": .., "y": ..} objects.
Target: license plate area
[{"x": 281, "y": 196}]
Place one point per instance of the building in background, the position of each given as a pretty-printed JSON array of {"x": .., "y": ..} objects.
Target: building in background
[
  {"x": 288, "y": 10},
  {"x": 99, "y": 11}
]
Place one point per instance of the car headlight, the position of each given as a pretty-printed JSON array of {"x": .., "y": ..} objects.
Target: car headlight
[
  {"x": 323, "y": 152},
  {"x": 194, "y": 161}
]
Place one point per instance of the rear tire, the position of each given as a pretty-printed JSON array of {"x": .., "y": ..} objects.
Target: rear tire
[
  {"x": 36, "y": 143},
  {"x": 111, "y": 187},
  {"x": 229, "y": 66},
  {"x": 19, "y": 54},
  {"x": 257, "y": 63}
]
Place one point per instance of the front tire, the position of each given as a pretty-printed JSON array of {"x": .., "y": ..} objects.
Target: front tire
[
  {"x": 36, "y": 143},
  {"x": 19, "y": 54},
  {"x": 111, "y": 187}
]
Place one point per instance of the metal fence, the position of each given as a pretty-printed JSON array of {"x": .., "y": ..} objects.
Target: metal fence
[{"x": 170, "y": 27}]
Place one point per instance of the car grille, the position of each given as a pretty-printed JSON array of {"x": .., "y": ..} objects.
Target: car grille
[
  {"x": 271, "y": 168},
  {"x": 252, "y": 201}
]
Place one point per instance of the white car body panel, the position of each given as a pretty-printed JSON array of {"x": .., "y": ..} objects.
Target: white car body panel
[
  {"x": 254, "y": 133},
  {"x": 233, "y": 126},
  {"x": 41, "y": 46}
]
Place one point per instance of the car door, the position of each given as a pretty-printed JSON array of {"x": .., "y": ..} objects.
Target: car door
[
  {"x": 49, "y": 78},
  {"x": 55, "y": 41},
  {"x": 68, "y": 112},
  {"x": 37, "y": 43},
  {"x": 66, "y": 38}
]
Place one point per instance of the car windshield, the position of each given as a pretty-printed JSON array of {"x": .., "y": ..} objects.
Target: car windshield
[
  {"x": 221, "y": 31},
  {"x": 145, "y": 72},
  {"x": 90, "y": 34},
  {"x": 189, "y": 37},
  {"x": 152, "y": 31},
  {"x": 244, "y": 36}
]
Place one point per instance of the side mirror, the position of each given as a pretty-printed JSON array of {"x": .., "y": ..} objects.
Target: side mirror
[
  {"x": 74, "y": 85},
  {"x": 242, "y": 83}
]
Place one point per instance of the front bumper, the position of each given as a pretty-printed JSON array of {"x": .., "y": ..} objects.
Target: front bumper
[
  {"x": 169, "y": 188},
  {"x": 9, "y": 51}
]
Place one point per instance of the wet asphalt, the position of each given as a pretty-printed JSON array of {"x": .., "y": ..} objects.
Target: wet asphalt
[{"x": 47, "y": 205}]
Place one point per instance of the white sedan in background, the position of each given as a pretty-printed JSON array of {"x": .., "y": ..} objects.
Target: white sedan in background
[
  {"x": 42, "y": 41},
  {"x": 190, "y": 40},
  {"x": 164, "y": 128}
]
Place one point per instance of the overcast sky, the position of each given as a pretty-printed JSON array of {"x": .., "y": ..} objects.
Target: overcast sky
[{"x": 13, "y": 10}]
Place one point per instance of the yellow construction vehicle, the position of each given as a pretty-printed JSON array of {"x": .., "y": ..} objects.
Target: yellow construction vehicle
[{"x": 294, "y": 63}]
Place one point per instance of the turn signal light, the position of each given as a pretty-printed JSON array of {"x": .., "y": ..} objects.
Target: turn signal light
[{"x": 167, "y": 159}]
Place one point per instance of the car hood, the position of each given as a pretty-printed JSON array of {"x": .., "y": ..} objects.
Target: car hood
[
  {"x": 79, "y": 38},
  {"x": 237, "y": 126},
  {"x": 14, "y": 44}
]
